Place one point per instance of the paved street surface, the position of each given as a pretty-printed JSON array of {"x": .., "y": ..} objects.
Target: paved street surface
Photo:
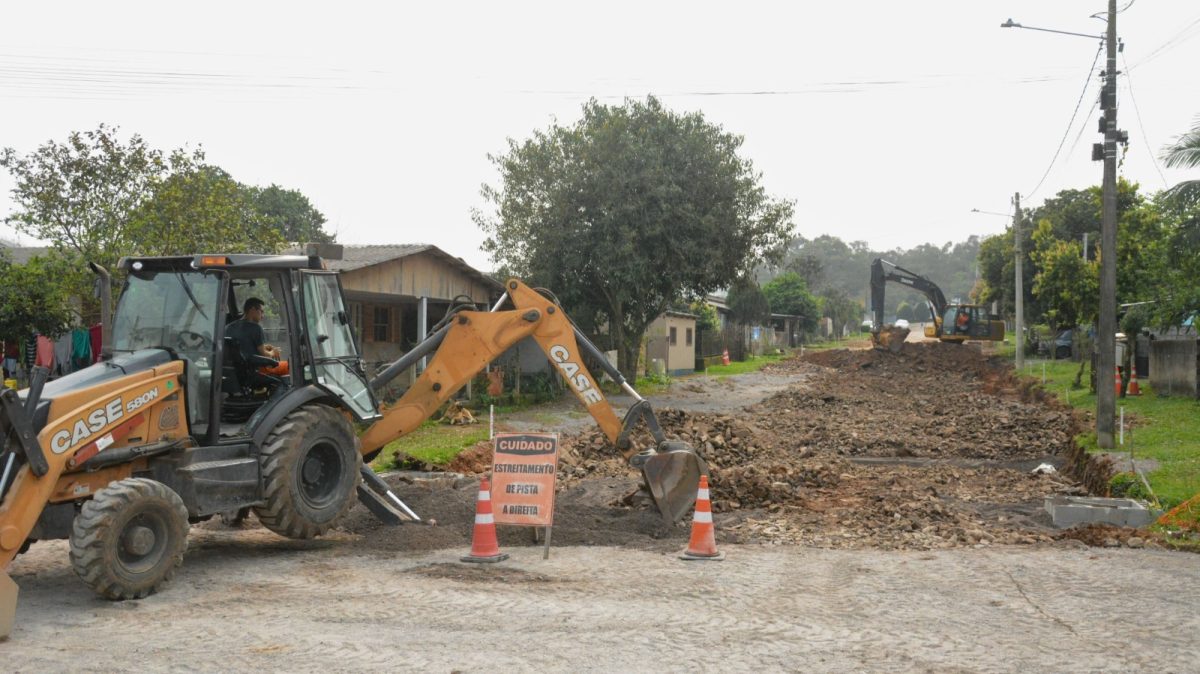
[{"x": 245, "y": 600}]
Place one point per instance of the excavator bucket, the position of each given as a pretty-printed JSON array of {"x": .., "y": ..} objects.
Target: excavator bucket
[
  {"x": 890, "y": 338},
  {"x": 672, "y": 476},
  {"x": 8, "y": 604}
]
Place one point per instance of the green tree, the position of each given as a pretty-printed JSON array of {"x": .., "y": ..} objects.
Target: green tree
[
  {"x": 904, "y": 310},
  {"x": 788, "y": 294},
  {"x": 628, "y": 210},
  {"x": 291, "y": 213},
  {"x": 81, "y": 194},
  {"x": 35, "y": 297},
  {"x": 707, "y": 319},
  {"x": 201, "y": 209},
  {"x": 842, "y": 310},
  {"x": 1067, "y": 286},
  {"x": 748, "y": 304},
  {"x": 1185, "y": 153}
]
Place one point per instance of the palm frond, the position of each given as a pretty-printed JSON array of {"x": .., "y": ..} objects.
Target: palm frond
[{"x": 1185, "y": 151}]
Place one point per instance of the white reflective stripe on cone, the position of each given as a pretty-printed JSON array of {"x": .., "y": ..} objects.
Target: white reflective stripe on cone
[
  {"x": 487, "y": 519},
  {"x": 485, "y": 496},
  {"x": 702, "y": 495},
  {"x": 703, "y": 516}
]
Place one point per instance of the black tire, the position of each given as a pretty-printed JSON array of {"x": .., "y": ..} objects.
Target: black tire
[
  {"x": 129, "y": 538},
  {"x": 310, "y": 470},
  {"x": 1062, "y": 352}
]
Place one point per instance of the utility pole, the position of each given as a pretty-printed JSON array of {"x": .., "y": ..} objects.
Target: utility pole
[
  {"x": 1106, "y": 361},
  {"x": 1020, "y": 282}
]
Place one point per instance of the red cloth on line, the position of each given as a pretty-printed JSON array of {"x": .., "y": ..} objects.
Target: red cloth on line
[
  {"x": 94, "y": 333},
  {"x": 45, "y": 352}
]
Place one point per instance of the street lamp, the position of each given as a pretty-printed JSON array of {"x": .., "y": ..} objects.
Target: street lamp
[
  {"x": 1013, "y": 24},
  {"x": 1106, "y": 361}
]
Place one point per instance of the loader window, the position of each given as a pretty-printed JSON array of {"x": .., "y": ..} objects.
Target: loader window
[
  {"x": 335, "y": 357},
  {"x": 176, "y": 310}
]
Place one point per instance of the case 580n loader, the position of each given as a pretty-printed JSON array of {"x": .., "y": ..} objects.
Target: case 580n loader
[{"x": 176, "y": 424}]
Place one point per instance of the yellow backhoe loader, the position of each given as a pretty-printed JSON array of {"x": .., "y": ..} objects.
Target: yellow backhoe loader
[{"x": 177, "y": 423}]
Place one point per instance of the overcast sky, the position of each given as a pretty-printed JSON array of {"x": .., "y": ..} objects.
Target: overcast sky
[{"x": 886, "y": 121}]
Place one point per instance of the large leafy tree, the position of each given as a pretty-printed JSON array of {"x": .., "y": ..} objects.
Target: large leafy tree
[
  {"x": 291, "y": 213},
  {"x": 1068, "y": 287},
  {"x": 81, "y": 194},
  {"x": 98, "y": 196},
  {"x": 1180, "y": 206},
  {"x": 788, "y": 294},
  {"x": 34, "y": 297},
  {"x": 628, "y": 210},
  {"x": 198, "y": 210},
  {"x": 748, "y": 304},
  {"x": 844, "y": 311}
]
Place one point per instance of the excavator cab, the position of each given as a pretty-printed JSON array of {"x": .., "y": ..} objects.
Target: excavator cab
[{"x": 962, "y": 322}]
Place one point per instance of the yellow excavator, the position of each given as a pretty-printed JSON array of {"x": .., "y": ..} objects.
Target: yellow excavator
[
  {"x": 950, "y": 322},
  {"x": 177, "y": 424}
]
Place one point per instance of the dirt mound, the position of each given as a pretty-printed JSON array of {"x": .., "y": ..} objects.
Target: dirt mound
[{"x": 930, "y": 447}]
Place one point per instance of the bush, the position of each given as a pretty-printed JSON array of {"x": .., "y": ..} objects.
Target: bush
[{"x": 1129, "y": 485}]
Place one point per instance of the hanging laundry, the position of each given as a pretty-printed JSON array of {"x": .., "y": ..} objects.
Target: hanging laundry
[
  {"x": 62, "y": 355},
  {"x": 30, "y": 352},
  {"x": 45, "y": 352},
  {"x": 81, "y": 348},
  {"x": 97, "y": 342}
]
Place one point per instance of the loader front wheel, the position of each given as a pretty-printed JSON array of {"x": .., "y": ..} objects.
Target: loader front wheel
[
  {"x": 310, "y": 470},
  {"x": 129, "y": 539}
]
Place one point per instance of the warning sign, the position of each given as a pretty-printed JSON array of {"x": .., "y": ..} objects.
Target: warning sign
[{"x": 523, "y": 471}]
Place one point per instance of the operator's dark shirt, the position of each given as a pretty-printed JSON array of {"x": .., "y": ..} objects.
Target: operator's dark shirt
[{"x": 248, "y": 335}]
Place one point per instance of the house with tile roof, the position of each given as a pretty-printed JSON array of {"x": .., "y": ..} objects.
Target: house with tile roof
[{"x": 397, "y": 293}]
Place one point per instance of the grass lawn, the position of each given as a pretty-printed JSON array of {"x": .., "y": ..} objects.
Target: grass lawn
[
  {"x": 432, "y": 442},
  {"x": 1166, "y": 429}
]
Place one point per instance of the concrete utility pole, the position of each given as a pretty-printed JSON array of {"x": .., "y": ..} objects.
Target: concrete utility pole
[
  {"x": 1020, "y": 282},
  {"x": 1106, "y": 337}
]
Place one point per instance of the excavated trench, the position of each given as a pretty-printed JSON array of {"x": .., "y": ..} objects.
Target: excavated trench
[{"x": 931, "y": 447}]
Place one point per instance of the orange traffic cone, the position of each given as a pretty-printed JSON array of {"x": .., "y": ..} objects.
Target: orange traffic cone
[
  {"x": 703, "y": 545},
  {"x": 484, "y": 547},
  {"x": 1118, "y": 384},
  {"x": 1134, "y": 389},
  {"x": 725, "y": 357}
]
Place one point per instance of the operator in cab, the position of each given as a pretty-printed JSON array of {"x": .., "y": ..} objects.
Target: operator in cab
[{"x": 250, "y": 337}]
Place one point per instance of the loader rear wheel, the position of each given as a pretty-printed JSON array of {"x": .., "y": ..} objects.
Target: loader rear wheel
[
  {"x": 310, "y": 470},
  {"x": 129, "y": 539}
]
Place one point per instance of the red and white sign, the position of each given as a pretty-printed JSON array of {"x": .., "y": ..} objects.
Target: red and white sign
[{"x": 524, "y": 466}]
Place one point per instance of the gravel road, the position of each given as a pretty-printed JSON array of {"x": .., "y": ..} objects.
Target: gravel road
[{"x": 246, "y": 600}]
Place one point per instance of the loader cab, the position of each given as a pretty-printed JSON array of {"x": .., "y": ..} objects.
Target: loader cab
[{"x": 183, "y": 305}]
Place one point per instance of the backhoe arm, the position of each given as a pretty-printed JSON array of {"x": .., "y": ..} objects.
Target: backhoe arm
[{"x": 473, "y": 339}]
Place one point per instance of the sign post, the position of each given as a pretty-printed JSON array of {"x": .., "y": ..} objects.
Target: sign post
[{"x": 524, "y": 468}]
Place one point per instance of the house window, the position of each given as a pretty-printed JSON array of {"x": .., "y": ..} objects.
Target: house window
[
  {"x": 673, "y": 336},
  {"x": 688, "y": 335},
  {"x": 381, "y": 327}
]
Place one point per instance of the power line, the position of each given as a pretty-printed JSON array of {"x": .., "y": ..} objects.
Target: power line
[
  {"x": 1171, "y": 42},
  {"x": 1142, "y": 127},
  {"x": 1067, "y": 132}
]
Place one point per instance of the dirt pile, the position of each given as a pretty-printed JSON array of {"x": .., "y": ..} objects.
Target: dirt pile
[{"x": 930, "y": 447}]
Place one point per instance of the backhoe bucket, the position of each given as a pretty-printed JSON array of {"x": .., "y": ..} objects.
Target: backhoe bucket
[
  {"x": 8, "y": 604},
  {"x": 672, "y": 475}
]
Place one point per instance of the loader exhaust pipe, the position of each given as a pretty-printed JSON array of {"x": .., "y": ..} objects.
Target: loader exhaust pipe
[{"x": 104, "y": 283}]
